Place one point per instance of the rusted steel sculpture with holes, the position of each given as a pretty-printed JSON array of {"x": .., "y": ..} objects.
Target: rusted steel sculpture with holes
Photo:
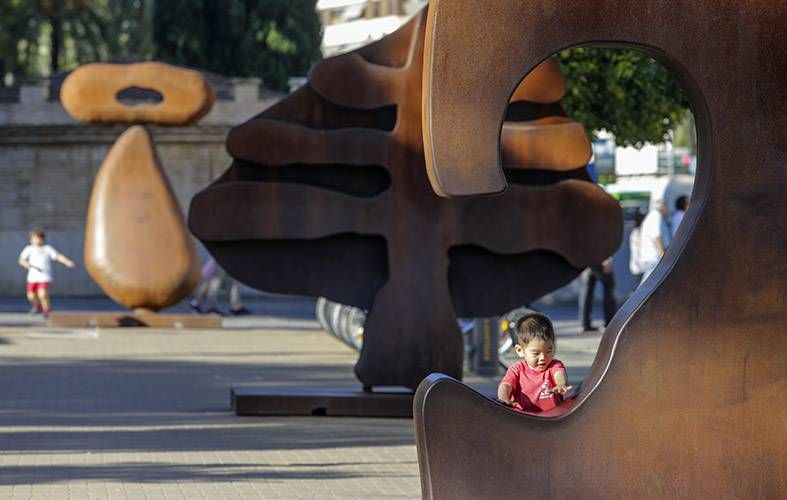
[
  {"x": 687, "y": 396},
  {"x": 137, "y": 246},
  {"x": 328, "y": 196}
]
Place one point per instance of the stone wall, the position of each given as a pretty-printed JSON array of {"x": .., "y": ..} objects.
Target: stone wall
[
  {"x": 48, "y": 162},
  {"x": 47, "y": 173}
]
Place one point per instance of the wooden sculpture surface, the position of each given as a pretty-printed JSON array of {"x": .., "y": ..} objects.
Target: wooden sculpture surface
[
  {"x": 328, "y": 195},
  {"x": 687, "y": 397},
  {"x": 137, "y": 246}
]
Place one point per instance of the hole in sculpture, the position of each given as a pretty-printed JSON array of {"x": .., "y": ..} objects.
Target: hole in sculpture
[
  {"x": 643, "y": 151},
  {"x": 364, "y": 181},
  {"x": 326, "y": 115},
  {"x": 348, "y": 267},
  {"x": 382, "y": 118},
  {"x": 137, "y": 96},
  {"x": 644, "y": 144}
]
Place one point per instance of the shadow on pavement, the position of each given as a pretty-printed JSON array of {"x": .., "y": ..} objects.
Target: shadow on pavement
[
  {"x": 283, "y": 306},
  {"x": 75, "y": 405},
  {"x": 163, "y": 473}
]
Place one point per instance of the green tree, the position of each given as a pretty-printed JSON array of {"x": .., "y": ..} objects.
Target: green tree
[
  {"x": 270, "y": 39},
  {"x": 41, "y": 37},
  {"x": 20, "y": 35},
  {"x": 127, "y": 29},
  {"x": 624, "y": 92}
]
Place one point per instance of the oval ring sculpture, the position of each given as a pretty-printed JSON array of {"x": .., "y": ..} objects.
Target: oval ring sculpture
[
  {"x": 687, "y": 396},
  {"x": 89, "y": 93}
]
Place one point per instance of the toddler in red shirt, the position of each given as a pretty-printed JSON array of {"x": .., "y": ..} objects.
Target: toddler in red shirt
[{"x": 537, "y": 382}]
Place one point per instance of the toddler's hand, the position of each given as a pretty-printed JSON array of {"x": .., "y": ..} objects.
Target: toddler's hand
[
  {"x": 503, "y": 402},
  {"x": 562, "y": 389}
]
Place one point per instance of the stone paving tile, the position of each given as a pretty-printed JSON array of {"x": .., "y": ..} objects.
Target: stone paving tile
[{"x": 138, "y": 413}]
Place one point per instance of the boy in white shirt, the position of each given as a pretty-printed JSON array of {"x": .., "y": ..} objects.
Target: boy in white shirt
[{"x": 37, "y": 258}]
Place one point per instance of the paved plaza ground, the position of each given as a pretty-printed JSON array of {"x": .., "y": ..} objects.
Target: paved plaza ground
[{"x": 144, "y": 413}]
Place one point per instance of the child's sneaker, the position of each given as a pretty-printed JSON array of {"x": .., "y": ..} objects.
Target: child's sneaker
[{"x": 34, "y": 310}]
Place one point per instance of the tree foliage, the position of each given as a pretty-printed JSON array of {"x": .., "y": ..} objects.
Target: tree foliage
[
  {"x": 271, "y": 39},
  {"x": 40, "y": 37},
  {"x": 624, "y": 92}
]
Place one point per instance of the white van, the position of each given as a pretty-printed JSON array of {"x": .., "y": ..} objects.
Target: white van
[
  {"x": 634, "y": 194},
  {"x": 640, "y": 193}
]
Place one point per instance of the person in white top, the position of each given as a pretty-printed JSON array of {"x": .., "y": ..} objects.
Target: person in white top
[
  {"x": 635, "y": 241},
  {"x": 681, "y": 205},
  {"x": 654, "y": 238},
  {"x": 37, "y": 258}
]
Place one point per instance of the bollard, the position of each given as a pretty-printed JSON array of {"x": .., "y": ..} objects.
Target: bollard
[
  {"x": 486, "y": 333},
  {"x": 342, "y": 321},
  {"x": 321, "y": 312},
  {"x": 467, "y": 326}
]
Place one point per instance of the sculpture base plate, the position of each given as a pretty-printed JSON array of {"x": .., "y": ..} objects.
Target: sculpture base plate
[
  {"x": 271, "y": 401},
  {"x": 113, "y": 319}
]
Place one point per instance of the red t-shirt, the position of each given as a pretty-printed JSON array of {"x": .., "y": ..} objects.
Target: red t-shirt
[{"x": 531, "y": 388}]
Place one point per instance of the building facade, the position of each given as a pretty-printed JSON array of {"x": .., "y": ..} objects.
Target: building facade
[{"x": 349, "y": 24}]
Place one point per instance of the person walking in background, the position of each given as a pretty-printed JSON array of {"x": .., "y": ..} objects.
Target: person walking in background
[
  {"x": 635, "y": 253},
  {"x": 212, "y": 277},
  {"x": 603, "y": 273},
  {"x": 681, "y": 205},
  {"x": 37, "y": 258},
  {"x": 654, "y": 238}
]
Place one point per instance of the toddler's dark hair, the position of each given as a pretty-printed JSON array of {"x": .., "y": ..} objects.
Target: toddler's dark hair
[
  {"x": 38, "y": 232},
  {"x": 534, "y": 326}
]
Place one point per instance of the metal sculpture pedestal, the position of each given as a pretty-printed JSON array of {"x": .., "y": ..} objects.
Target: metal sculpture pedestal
[{"x": 272, "y": 401}]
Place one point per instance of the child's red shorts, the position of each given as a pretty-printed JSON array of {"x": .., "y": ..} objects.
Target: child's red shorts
[{"x": 38, "y": 285}]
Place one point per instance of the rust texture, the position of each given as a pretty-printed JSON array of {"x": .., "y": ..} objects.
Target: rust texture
[
  {"x": 328, "y": 196},
  {"x": 687, "y": 396}
]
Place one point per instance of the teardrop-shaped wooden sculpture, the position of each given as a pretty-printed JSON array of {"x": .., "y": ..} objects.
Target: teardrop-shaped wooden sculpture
[{"x": 137, "y": 247}]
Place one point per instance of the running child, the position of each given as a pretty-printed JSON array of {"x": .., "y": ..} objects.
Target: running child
[{"x": 37, "y": 258}]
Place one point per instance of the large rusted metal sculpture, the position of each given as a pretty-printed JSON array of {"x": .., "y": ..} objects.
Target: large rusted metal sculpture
[
  {"x": 687, "y": 396},
  {"x": 137, "y": 247},
  {"x": 328, "y": 196}
]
